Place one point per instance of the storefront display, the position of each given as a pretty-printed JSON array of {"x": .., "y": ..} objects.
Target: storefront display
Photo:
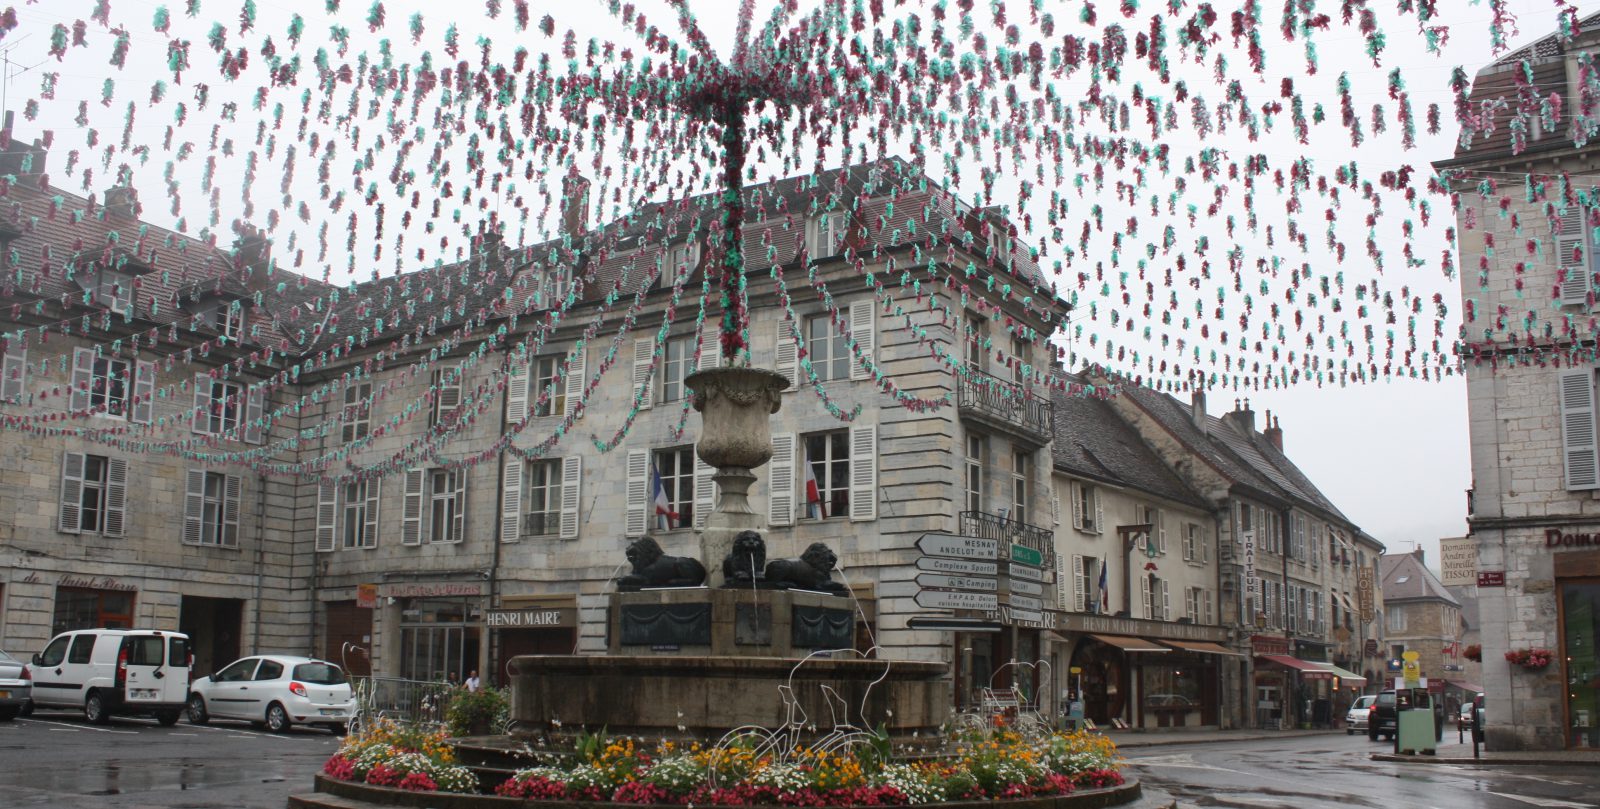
[
  {"x": 1580, "y": 633},
  {"x": 85, "y": 608},
  {"x": 439, "y": 638}
]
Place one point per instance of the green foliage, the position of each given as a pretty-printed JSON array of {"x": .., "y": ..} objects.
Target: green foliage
[{"x": 475, "y": 709}]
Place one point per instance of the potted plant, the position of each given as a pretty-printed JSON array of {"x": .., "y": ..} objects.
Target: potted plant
[
  {"x": 476, "y": 713},
  {"x": 1530, "y": 659},
  {"x": 1474, "y": 653}
]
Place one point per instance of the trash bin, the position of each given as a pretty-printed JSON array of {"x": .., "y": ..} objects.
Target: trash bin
[{"x": 1417, "y": 732}]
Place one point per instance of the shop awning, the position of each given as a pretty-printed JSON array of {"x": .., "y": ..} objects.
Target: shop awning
[
  {"x": 1473, "y": 688},
  {"x": 1202, "y": 647},
  {"x": 1128, "y": 644},
  {"x": 1347, "y": 678},
  {"x": 1307, "y": 669}
]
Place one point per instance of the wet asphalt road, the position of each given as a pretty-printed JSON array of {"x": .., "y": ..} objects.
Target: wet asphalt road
[
  {"x": 1313, "y": 772},
  {"x": 58, "y": 760}
]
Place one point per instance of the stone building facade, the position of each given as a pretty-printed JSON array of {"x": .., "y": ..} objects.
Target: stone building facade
[
  {"x": 1529, "y": 332},
  {"x": 1421, "y": 615}
]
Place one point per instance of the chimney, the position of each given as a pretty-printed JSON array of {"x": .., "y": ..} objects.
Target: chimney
[
  {"x": 17, "y": 158},
  {"x": 1274, "y": 432},
  {"x": 574, "y": 206},
  {"x": 1242, "y": 418},
  {"x": 1417, "y": 553},
  {"x": 1197, "y": 409},
  {"x": 252, "y": 256},
  {"x": 123, "y": 201},
  {"x": 488, "y": 247}
]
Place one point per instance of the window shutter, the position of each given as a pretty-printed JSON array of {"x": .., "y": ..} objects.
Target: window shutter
[
  {"x": 1099, "y": 512},
  {"x": 1144, "y": 596},
  {"x": 1077, "y": 505},
  {"x": 780, "y": 481},
  {"x": 643, "y": 384},
  {"x": 458, "y": 524},
  {"x": 68, "y": 516},
  {"x": 202, "y": 404},
  {"x": 511, "y": 498},
  {"x": 194, "y": 502},
  {"x": 411, "y": 514},
  {"x": 14, "y": 372},
  {"x": 638, "y": 492},
  {"x": 787, "y": 356},
  {"x": 705, "y": 491},
  {"x": 327, "y": 515},
  {"x": 1572, "y": 256},
  {"x": 374, "y": 490},
  {"x": 517, "y": 376},
  {"x": 863, "y": 329},
  {"x": 1080, "y": 584},
  {"x": 710, "y": 346},
  {"x": 254, "y": 412},
  {"x": 115, "y": 521},
  {"x": 1055, "y": 510},
  {"x": 571, "y": 494},
  {"x": 577, "y": 377},
  {"x": 1161, "y": 532},
  {"x": 1166, "y": 600},
  {"x": 447, "y": 380},
  {"x": 1203, "y": 544},
  {"x": 1208, "y": 611},
  {"x": 864, "y": 473},
  {"x": 82, "y": 378},
  {"x": 233, "y": 487},
  {"x": 1578, "y": 429},
  {"x": 144, "y": 390}
]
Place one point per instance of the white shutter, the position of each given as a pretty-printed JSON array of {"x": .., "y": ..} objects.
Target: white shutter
[
  {"x": 1077, "y": 505},
  {"x": 705, "y": 491},
  {"x": 643, "y": 385},
  {"x": 780, "y": 481},
  {"x": 144, "y": 391},
  {"x": 787, "y": 355},
  {"x": 202, "y": 404},
  {"x": 115, "y": 520},
  {"x": 458, "y": 522},
  {"x": 571, "y": 492},
  {"x": 14, "y": 372},
  {"x": 447, "y": 396},
  {"x": 863, "y": 329},
  {"x": 1203, "y": 543},
  {"x": 577, "y": 374},
  {"x": 1572, "y": 255},
  {"x": 511, "y": 498},
  {"x": 710, "y": 346},
  {"x": 517, "y": 375},
  {"x": 71, "y": 506},
  {"x": 1166, "y": 600},
  {"x": 194, "y": 502},
  {"x": 232, "y": 489},
  {"x": 1080, "y": 584},
  {"x": 327, "y": 515},
  {"x": 411, "y": 513},
  {"x": 1099, "y": 513},
  {"x": 1144, "y": 597},
  {"x": 82, "y": 378},
  {"x": 1578, "y": 429},
  {"x": 374, "y": 490},
  {"x": 1161, "y": 531},
  {"x": 254, "y": 410},
  {"x": 1055, "y": 510},
  {"x": 864, "y": 473},
  {"x": 638, "y": 493}
]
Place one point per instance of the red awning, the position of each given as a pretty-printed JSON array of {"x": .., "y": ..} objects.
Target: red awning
[{"x": 1308, "y": 671}]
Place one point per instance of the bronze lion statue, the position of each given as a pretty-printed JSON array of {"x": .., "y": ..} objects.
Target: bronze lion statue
[
  {"x": 652, "y": 567},
  {"x": 746, "y": 563},
  {"x": 812, "y": 571}
]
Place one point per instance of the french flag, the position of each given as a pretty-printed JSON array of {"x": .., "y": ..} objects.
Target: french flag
[
  {"x": 1105, "y": 592},
  {"x": 658, "y": 495},
  {"x": 814, "y": 494}
]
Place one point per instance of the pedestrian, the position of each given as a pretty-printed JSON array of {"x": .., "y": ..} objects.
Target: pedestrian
[
  {"x": 473, "y": 684},
  {"x": 452, "y": 680}
]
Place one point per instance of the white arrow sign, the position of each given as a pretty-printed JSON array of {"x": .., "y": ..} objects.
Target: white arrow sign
[
  {"x": 1024, "y": 572},
  {"x": 953, "y": 600},
  {"x": 1026, "y": 587},
  {"x": 979, "y": 583},
  {"x": 1026, "y": 603},
  {"x": 968, "y": 567},
  {"x": 958, "y": 547}
]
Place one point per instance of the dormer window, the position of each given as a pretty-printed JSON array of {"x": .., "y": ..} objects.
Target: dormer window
[
  {"x": 678, "y": 260},
  {"x": 114, "y": 291},
  {"x": 227, "y": 319},
  {"x": 825, "y": 234},
  {"x": 999, "y": 242}
]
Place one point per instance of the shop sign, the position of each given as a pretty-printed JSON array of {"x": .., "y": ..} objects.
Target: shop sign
[
  {"x": 1269, "y": 645},
  {"x": 431, "y": 589},
  {"x": 1252, "y": 585},
  {"x": 1458, "y": 561},
  {"x": 84, "y": 582},
  {"x": 558, "y": 617},
  {"x": 1555, "y": 538},
  {"x": 1138, "y": 627},
  {"x": 367, "y": 596},
  {"x": 1491, "y": 578}
]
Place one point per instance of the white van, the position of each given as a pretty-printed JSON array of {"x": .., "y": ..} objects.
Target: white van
[{"x": 115, "y": 672}]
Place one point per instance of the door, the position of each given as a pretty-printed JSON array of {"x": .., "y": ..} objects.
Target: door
[
  {"x": 146, "y": 670},
  {"x": 349, "y": 637},
  {"x": 227, "y": 693},
  {"x": 50, "y": 683},
  {"x": 175, "y": 685},
  {"x": 261, "y": 690}
]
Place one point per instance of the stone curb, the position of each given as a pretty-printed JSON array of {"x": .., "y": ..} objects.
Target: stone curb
[
  {"x": 1177, "y": 739},
  {"x": 1477, "y": 762}
]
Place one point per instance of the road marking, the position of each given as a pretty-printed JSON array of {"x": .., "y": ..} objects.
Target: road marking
[
  {"x": 80, "y": 727},
  {"x": 240, "y": 733},
  {"x": 62, "y": 730},
  {"x": 1552, "y": 802}
]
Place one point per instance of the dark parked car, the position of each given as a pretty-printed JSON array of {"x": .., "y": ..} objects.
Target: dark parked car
[
  {"x": 16, "y": 688},
  {"x": 1383, "y": 722}
]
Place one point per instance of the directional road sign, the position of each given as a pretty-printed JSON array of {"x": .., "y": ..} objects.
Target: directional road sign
[
  {"x": 1017, "y": 571},
  {"x": 956, "y": 600},
  {"x": 1027, "y": 587},
  {"x": 962, "y": 567},
  {"x": 1024, "y": 602},
  {"x": 982, "y": 584},
  {"x": 955, "y": 547},
  {"x": 1026, "y": 555}
]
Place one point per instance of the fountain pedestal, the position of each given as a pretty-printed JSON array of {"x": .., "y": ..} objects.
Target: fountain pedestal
[{"x": 736, "y": 406}]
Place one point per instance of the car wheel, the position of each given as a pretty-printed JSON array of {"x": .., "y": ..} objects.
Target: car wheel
[
  {"x": 27, "y": 708},
  {"x": 169, "y": 718},
  {"x": 8, "y": 714},
  {"x": 197, "y": 710},
  {"x": 339, "y": 730},
  {"x": 94, "y": 709},
  {"x": 277, "y": 718}
]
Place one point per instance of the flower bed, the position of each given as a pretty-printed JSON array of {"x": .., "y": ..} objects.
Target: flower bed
[{"x": 406, "y": 758}]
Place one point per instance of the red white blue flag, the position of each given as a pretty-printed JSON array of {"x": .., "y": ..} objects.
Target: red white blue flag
[{"x": 667, "y": 518}]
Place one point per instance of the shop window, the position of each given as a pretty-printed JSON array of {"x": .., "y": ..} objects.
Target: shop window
[
  {"x": 80, "y": 608},
  {"x": 827, "y": 483},
  {"x": 439, "y": 639},
  {"x": 1172, "y": 688},
  {"x": 1580, "y": 611}
]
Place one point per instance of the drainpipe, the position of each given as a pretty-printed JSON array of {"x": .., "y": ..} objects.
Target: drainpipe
[
  {"x": 1223, "y": 720},
  {"x": 261, "y": 554}
]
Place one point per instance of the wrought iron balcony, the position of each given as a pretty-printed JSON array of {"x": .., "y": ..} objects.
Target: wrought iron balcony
[
  {"x": 1005, "y": 405},
  {"x": 999, "y": 527}
]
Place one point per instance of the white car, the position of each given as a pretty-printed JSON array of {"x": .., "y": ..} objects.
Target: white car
[
  {"x": 274, "y": 690},
  {"x": 114, "y": 672},
  {"x": 1355, "y": 720}
]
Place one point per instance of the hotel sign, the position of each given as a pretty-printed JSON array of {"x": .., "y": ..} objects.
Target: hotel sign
[{"x": 1365, "y": 597}]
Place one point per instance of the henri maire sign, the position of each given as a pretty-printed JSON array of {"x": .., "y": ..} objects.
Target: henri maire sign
[{"x": 532, "y": 618}]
